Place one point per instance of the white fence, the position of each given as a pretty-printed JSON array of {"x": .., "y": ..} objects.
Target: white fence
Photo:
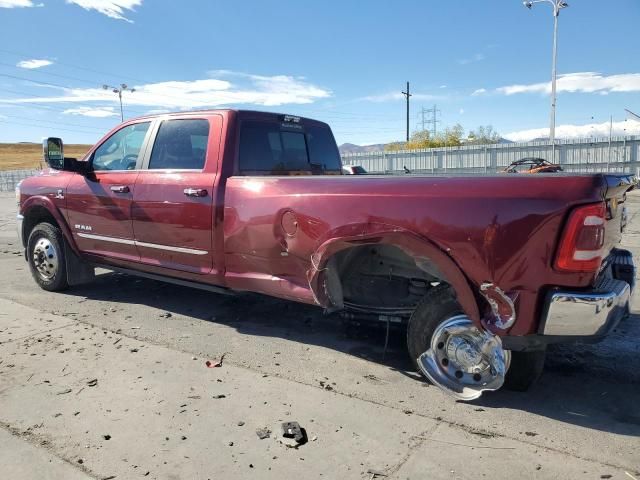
[
  {"x": 10, "y": 178},
  {"x": 618, "y": 154}
]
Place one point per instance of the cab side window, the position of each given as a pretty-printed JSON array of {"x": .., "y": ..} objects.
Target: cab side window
[
  {"x": 180, "y": 144},
  {"x": 122, "y": 149}
]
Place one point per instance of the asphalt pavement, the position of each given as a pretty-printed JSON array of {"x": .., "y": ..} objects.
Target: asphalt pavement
[{"x": 109, "y": 380}]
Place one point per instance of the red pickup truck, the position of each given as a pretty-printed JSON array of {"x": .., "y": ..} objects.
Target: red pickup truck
[{"x": 485, "y": 272}]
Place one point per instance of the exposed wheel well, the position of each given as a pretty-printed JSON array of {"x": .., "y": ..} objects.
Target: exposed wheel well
[
  {"x": 379, "y": 278},
  {"x": 34, "y": 216}
]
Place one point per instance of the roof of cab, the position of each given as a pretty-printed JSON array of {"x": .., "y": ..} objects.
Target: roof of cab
[{"x": 219, "y": 110}]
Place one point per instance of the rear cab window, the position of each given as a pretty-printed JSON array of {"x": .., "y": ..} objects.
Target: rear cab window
[{"x": 287, "y": 145}]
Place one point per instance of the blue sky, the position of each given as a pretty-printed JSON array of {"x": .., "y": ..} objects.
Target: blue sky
[{"x": 344, "y": 62}]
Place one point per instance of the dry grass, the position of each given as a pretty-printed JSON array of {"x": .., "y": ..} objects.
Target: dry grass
[{"x": 18, "y": 156}]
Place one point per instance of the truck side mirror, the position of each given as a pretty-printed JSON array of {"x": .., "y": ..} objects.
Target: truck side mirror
[{"x": 53, "y": 152}]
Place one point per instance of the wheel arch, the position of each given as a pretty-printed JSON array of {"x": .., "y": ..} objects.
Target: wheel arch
[
  {"x": 325, "y": 281},
  {"x": 38, "y": 209}
]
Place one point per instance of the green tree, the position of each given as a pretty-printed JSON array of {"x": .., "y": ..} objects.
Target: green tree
[
  {"x": 394, "y": 146},
  {"x": 419, "y": 139},
  {"x": 449, "y": 137},
  {"x": 483, "y": 135}
]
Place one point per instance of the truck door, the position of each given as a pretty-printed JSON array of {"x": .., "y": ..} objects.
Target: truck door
[
  {"x": 174, "y": 198},
  {"x": 99, "y": 203}
]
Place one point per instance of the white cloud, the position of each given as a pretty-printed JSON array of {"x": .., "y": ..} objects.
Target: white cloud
[
  {"x": 461, "y": 111},
  {"x": 95, "y": 112},
  {"x": 443, "y": 86},
  {"x": 479, "y": 91},
  {"x": 34, "y": 63},
  {"x": 478, "y": 57},
  {"x": 156, "y": 111},
  {"x": 585, "y": 82},
  {"x": 210, "y": 92},
  {"x": 18, "y": 4},
  {"x": 110, "y": 8},
  {"x": 628, "y": 127}
]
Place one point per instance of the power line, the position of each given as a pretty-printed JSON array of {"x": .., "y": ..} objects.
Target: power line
[
  {"x": 65, "y": 87},
  {"x": 53, "y": 122},
  {"x": 319, "y": 110},
  {"x": 99, "y": 72},
  {"x": 632, "y": 114},
  {"x": 44, "y": 126},
  {"x": 88, "y": 82},
  {"x": 47, "y": 106}
]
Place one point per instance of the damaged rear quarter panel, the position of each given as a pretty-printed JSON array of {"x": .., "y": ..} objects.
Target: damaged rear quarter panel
[{"x": 499, "y": 229}]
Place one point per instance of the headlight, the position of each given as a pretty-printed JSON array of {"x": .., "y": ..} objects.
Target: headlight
[{"x": 18, "y": 192}]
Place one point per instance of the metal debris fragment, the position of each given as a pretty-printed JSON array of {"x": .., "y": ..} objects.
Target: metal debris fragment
[
  {"x": 214, "y": 364},
  {"x": 294, "y": 431}
]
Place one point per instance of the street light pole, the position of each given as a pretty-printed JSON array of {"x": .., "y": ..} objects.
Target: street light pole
[
  {"x": 552, "y": 119},
  {"x": 122, "y": 88},
  {"x": 557, "y": 6}
]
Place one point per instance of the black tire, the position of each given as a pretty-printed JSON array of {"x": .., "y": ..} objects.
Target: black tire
[
  {"x": 437, "y": 305},
  {"x": 56, "y": 280},
  {"x": 525, "y": 370}
]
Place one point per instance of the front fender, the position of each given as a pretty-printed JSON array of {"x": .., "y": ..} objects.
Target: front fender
[
  {"x": 28, "y": 207},
  {"x": 412, "y": 244}
]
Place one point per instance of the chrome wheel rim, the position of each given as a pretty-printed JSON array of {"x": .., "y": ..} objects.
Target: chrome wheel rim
[
  {"x": 464, "y": 360},
  {"x": 45, "y": 258}
]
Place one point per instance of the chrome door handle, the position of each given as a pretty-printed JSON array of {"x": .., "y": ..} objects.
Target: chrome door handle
[
  {"x": 195, "y": 192},
  {"x": 120, "y": 189}
]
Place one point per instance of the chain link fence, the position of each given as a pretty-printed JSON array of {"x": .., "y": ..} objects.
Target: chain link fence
[{"x": 10, "y": 178}]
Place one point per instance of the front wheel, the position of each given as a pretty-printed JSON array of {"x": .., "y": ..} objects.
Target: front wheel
[{"x": 45, "y": 253}]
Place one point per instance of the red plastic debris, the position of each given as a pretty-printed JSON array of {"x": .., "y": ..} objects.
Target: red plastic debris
[{"x": 215, "y": 364}]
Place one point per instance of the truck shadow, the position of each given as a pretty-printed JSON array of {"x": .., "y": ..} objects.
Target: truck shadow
[
  {"x": 595, "y": 386},
  {"x": 592, "y": 385}
]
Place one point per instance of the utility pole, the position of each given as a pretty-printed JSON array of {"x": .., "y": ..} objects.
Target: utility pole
[
  {"x": 407, "y": 95},
  {"x": 123, "y": 88}
]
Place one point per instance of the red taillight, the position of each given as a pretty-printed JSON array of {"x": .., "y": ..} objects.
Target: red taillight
[{"x": 581, "y": 246}]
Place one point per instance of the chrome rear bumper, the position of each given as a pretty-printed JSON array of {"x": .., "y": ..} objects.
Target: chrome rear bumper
[{"x": 595, "y": 312}]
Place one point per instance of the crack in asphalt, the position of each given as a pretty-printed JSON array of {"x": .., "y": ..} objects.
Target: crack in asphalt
[
  {"x": 41, "y": 441},
  {"x": 36, "y": 333}
]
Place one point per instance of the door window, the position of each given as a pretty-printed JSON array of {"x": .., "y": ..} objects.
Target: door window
[
  {"x": 180, "y": 144},
  {"x": 122, "y": 149}
]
